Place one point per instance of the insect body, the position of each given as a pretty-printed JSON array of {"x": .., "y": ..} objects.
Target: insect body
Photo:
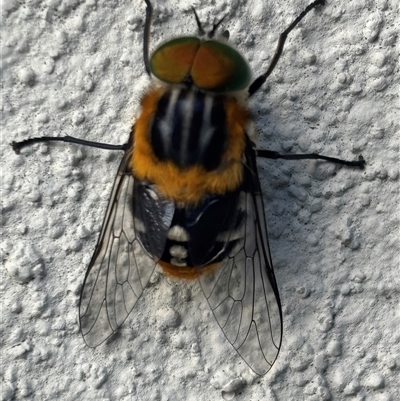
[
  {"x": 189, "y": 199},
  {"x": 187, "y": 196}
]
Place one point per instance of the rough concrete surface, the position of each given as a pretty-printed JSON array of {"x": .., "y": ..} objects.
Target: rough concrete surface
[{"x": 72, "y": 67}]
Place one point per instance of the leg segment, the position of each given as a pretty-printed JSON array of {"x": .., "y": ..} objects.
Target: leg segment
[
  {"x": 146, "y": 36},
  {"x": 269, "y": 154},
  {"x": 255, "y": 86},
  {"x": 17, "y": 146}
]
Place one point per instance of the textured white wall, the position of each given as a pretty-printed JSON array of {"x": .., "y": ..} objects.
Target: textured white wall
[{"x": 74, "y": 67}]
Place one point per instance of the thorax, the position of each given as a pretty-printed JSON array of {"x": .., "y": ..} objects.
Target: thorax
[{"x": 189, "y": 142}]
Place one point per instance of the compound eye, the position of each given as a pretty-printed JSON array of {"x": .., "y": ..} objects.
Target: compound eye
[
  {"x": 173, "y": 61},
  {"x": 218, "y": 67}
]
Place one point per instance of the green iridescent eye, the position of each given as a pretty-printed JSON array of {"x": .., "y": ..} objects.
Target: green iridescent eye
[{"x": 212, "y": 65}]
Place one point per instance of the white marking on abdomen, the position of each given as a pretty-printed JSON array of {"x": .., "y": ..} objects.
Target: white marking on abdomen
[
  {"x": 178, "y": 233},
  {"x": 178, "y": 251},
  {"x": 178, "y": 262}
]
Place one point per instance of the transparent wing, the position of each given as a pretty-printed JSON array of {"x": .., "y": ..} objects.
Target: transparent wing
[
  {"x": 120, "y": 268},
  {"x": 242, "y": 292}
]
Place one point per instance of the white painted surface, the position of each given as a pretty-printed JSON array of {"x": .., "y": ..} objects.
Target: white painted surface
[{"x": 75, "y": 68}]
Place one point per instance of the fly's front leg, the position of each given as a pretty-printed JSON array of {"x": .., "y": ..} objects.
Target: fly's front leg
[
  {"x": 146, "y": 36},
  {"x": 255, "y": 86}
]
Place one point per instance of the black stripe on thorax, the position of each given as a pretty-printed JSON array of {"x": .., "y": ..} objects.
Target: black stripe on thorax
[{"x": 189, "y": 128}]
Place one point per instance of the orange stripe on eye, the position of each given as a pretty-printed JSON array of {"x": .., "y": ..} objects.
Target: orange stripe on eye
[{"x": 173, "y": 61}]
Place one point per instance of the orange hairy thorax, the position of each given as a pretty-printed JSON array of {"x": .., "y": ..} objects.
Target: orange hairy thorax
[{"x": 188, "y": 185}]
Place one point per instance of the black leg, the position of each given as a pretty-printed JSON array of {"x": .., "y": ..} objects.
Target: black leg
[
  {"x": 255, "y": 86},
  {"x": 146, "y": 36},
  {"x": 269, "y": 154},
  {"x": 17, "y": 146}
]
